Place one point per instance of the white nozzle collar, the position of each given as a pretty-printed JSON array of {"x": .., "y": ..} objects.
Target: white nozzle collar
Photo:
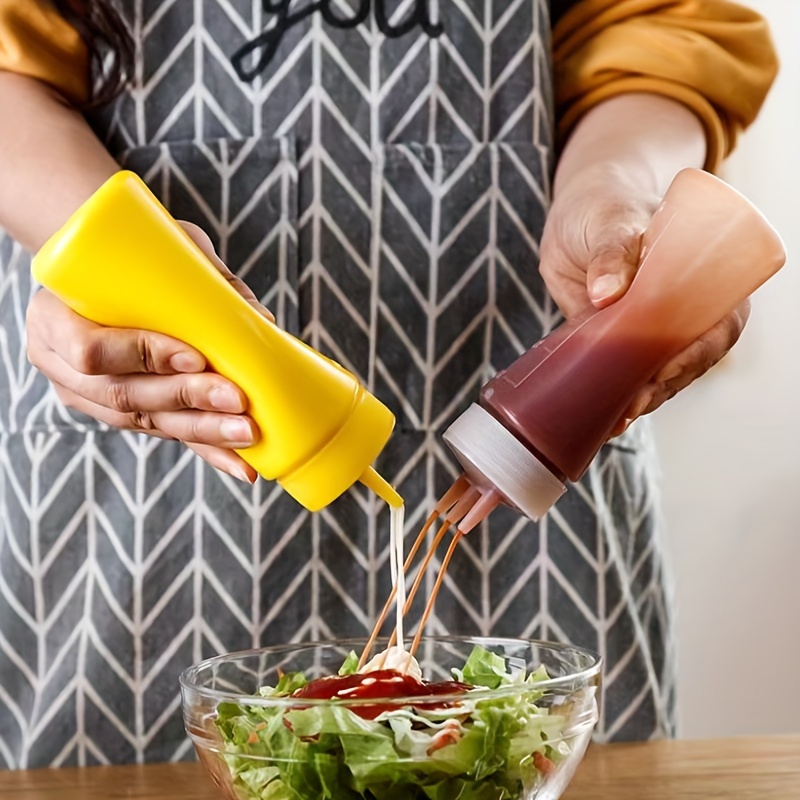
[{"x": 492, "y": 457}]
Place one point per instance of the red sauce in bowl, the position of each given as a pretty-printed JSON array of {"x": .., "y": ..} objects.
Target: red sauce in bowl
[{"x": 386, "y": 684}]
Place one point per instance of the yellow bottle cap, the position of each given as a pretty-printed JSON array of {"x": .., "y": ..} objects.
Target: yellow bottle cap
[{"x": 346, "y": 458}]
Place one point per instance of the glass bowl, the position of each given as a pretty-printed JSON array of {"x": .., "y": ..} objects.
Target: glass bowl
[{"x": 521, "y": 738}]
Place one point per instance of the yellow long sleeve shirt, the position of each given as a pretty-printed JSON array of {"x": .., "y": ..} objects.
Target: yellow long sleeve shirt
[{"x": 716, "y": 57}]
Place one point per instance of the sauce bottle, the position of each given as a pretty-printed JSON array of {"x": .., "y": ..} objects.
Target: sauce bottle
[
  {"x": 121, "y": 260},
  {"x": 542, "y": 420}
]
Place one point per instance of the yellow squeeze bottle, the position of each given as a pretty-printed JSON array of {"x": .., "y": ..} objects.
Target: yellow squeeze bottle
[{"x": 121, "y": 260}]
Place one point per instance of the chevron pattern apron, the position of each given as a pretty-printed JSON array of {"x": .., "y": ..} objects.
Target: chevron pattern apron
[{"x": 382, "y": 185}]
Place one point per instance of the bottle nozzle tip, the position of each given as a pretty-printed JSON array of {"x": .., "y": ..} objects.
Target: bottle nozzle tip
[
  {"x": 373, "y": 480},
  {"x": 488, "y": 502}
]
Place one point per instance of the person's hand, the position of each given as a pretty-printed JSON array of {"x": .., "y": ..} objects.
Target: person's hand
[
  {"x": 589, "y": 254},
  {"x": 143, "y": 381}
]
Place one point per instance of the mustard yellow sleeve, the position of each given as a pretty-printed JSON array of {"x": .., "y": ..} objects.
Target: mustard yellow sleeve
[
  {"x": 35, "y": 40},
  {"x": 716, "y": 57}
]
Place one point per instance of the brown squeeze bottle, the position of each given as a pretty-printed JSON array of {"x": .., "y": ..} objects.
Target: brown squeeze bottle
[{"x": 542, "y": 420}]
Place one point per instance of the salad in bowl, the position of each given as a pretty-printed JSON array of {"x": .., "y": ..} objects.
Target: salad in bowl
[{"x": 469, "y": 719}]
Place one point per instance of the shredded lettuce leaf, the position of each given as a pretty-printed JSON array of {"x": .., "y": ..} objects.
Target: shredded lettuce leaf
[
  {"x": 350, "y": 666},
  {"x": 479, "y": 749}
]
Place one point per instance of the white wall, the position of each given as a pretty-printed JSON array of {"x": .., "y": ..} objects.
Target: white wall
[{"x": 730, "y": 450}]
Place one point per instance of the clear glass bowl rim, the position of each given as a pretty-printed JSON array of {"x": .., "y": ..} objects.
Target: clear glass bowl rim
[{"x": 581, "y": 677}]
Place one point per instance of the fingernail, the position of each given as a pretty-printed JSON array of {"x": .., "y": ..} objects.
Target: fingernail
[
  {"x": 670, "y": 372},
  {"x": 240, "y": 473},
  {"x": 236, "y": 432},
  {"x": 187, "y": 362},
  {"x": 604, "y": 287},
  {"x": 226, "y": 398},
  {"x": 641, "y": 405}
]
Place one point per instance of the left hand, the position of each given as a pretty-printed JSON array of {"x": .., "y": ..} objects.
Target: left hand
[{"x": 589, "y": 255}]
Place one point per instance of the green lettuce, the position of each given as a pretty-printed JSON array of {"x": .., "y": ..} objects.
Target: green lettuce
[{"x": 480, "y": 749}]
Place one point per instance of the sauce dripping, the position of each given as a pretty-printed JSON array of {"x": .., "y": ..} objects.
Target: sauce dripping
[
  {"x": 461, "y": 499},
  {"x": 384, "y": 684},
  {"x": 398, "y": 569}
]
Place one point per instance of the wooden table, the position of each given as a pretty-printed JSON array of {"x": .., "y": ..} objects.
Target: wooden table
[{"x": 733, "y": 769}]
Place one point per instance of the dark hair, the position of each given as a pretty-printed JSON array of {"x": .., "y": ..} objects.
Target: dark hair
[{"x": 104, "y": 31}]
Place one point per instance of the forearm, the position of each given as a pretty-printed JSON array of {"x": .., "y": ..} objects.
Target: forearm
[
  {"x": 637, "y": 139},
  {"x": 50, "y": 160}
]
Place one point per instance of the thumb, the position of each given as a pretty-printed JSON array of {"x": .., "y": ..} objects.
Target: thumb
[
  {"x": 203, "y": 241},
  {"x": 611, "y": 271}
]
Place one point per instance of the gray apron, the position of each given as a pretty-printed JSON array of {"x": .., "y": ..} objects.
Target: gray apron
[{"x": 382, "y": 186}]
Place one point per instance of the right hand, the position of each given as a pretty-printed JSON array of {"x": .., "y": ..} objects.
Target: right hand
[
  {"x": 589, "y": 256},
  {"x": 144, "y": 381}
]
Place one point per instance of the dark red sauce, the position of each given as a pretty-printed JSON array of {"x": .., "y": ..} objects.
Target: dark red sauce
[{"x": 382, "y": 683}]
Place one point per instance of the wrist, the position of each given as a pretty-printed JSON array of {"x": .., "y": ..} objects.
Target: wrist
[
  {"x": 627, "y": 180},
  {"x": 50, "y": 160},
  {"x": 637, "y": 142}
]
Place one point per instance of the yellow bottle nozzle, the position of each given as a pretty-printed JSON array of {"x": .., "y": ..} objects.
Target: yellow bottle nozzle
[{"x": 372, "y": 480}]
